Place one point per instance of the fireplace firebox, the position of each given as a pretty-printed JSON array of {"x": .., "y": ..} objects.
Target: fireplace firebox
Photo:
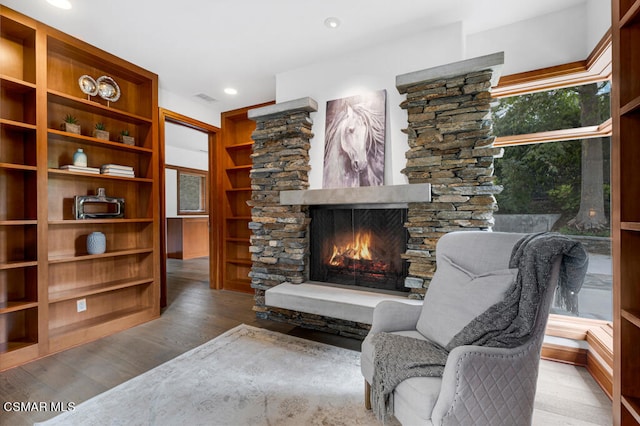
[{"x": 359, "y": 247}]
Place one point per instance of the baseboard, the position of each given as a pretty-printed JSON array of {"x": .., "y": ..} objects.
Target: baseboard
[{"x": 566, "y": 354}]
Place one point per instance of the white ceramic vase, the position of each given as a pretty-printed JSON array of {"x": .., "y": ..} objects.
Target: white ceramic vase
[
  {"x": 96, "y": 243},
  {"x": 80, "y": 158}
]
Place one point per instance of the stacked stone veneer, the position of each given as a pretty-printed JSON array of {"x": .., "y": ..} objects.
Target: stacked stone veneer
[
  {"x": 280, "y": 238},
  {"x": 451, "y": 146},
  {"x": 280, "y": 158}
]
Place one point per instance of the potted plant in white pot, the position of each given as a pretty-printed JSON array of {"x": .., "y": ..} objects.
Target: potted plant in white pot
[{"x": 100, "y": 132}]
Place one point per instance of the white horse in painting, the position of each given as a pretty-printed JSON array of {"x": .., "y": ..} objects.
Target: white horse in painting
[{"x": 354, "y": 147}]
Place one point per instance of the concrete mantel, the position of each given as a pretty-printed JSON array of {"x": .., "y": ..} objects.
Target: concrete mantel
[
  {"x": 303, "y": 104},
  {"x": 492, "y": 62},
  {"x": 386, "y": 194}
]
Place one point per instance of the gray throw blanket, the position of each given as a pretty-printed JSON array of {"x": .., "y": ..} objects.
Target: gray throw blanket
[{"x": 508, "y": 323}]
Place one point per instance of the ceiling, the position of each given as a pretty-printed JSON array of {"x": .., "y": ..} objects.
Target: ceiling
[{"x": 203, "y": 46}]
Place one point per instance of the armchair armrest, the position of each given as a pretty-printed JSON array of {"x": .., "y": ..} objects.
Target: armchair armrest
[
  {"x": 390, "y": 316},
  {"x": 484, "y": 385}
]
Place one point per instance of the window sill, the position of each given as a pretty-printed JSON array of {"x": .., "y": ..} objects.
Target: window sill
[{"x": 597, "y": 358}]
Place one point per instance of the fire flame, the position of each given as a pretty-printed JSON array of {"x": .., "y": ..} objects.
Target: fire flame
[{"x": 358, "y": 250}]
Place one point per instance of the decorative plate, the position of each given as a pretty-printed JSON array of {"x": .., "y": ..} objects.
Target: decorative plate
[
  {"x": 108, "y": 89},
  {"x": 88, "y": 85}
]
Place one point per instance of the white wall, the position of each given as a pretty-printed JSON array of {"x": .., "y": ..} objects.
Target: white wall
[
  {"x": 545, "y": 41},
  {"x": 369, "y": 70},
  {"x": 566, "y": 36},
  {"x": 598, "y": 20},
  {"x": 176, "y": 134},
  {"x": 171, "y": 192},
  {"x": 183, "y": 145},
  {"x": 194, "y": 109}
]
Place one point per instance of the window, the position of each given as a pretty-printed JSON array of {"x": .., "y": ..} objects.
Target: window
[
  {"x": 597, "y": 333},
  {"x": 555, "y": 182},
  {"x": 192, "y": 190}
]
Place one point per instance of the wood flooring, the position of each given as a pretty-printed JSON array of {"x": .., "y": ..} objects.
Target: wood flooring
[{"x": 567, "y": 395}]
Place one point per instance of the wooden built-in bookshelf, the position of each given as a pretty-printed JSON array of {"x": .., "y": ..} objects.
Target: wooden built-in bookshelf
[
  {"x": 625, "y": 112},
  {"x": 44, "y": 265},
  {"x": 235, "y": 166}
]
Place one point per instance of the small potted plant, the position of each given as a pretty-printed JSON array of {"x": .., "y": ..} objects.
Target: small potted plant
[
  {"x": 71, "y": 125},
  {"x": 126, "y": 138},
  {"x": 100, "y": 132}
]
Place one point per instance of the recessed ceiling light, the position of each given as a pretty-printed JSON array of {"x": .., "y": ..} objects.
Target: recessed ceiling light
[
  {"x": 230, "y": 91},
  {"x": 62, "y": 4},
  {"x": 332, "y": 22}
]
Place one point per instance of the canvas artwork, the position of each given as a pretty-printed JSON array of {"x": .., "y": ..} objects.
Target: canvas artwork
[{"x": 354, "y": 141}]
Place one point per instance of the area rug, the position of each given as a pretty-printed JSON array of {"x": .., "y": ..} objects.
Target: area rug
[{"x": 246, "y": 376}]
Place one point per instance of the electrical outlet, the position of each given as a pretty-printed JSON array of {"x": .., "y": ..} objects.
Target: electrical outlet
[{"x": 81, "y": 305}]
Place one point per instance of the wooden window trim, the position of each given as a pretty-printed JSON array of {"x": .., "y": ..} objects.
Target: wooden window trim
[
  {"x": 602, "y": 130},
  {"x": 597, "y": 67},
  {"x": 204, "y": 190},
  {"x": 598, "y": 358}
]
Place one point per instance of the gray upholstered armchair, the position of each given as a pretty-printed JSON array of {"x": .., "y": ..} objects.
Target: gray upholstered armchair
[{"x": 480, "y": 385}]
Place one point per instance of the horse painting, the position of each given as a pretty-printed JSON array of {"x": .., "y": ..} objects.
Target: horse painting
[{"x": 354, "y": 141}]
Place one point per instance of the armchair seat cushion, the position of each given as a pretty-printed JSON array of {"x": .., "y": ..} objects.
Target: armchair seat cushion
[{"x": 413, "y": 398}]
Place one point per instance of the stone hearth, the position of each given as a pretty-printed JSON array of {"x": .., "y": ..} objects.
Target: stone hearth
[{"x": 451, "y": 148}]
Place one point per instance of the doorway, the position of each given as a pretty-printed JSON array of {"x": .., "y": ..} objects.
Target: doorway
[{"x": 202, "y": 210}]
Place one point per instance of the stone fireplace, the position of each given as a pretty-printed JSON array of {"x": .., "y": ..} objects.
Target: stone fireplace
[{"x": 450, "y": 187}]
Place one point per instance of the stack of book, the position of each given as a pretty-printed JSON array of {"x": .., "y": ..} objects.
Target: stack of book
[
  {"x": 80, "y": 169},
  {"x": 117, "y": 170}
]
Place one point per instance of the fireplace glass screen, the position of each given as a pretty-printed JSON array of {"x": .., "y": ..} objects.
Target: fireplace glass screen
[{"x": 359, "y": 247}]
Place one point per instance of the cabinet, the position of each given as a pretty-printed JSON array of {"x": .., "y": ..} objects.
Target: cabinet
[
  {"x": 187, "y": 237},
  {"x": 45, "y": 269},
  {"x": 626, "y": 209},
  {"x": 235, "y": 165}
]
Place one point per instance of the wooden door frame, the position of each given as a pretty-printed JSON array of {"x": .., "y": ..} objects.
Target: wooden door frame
[{"x": 165, "y": 116}]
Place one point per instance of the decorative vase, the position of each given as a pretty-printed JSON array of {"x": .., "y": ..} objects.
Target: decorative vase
[
  {"x": 96, "y": 243},
  {"x": 80, "y": 158}
]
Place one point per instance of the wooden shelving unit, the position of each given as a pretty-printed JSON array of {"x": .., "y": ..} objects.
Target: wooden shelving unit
[
  {"x": 626, "y": 210},
  {"x": 20, "y": 311},
  {"x": 44, "y": 266},
  {"x": 235, "y": 166}
]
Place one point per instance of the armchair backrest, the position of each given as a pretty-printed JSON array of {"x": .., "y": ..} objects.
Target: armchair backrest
[
  {"x": 479, "y": 252},
  {"x": 465, "y": 397},
  {"x": 490, "y": 385},
  {"x": 472, "y": 274}
]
